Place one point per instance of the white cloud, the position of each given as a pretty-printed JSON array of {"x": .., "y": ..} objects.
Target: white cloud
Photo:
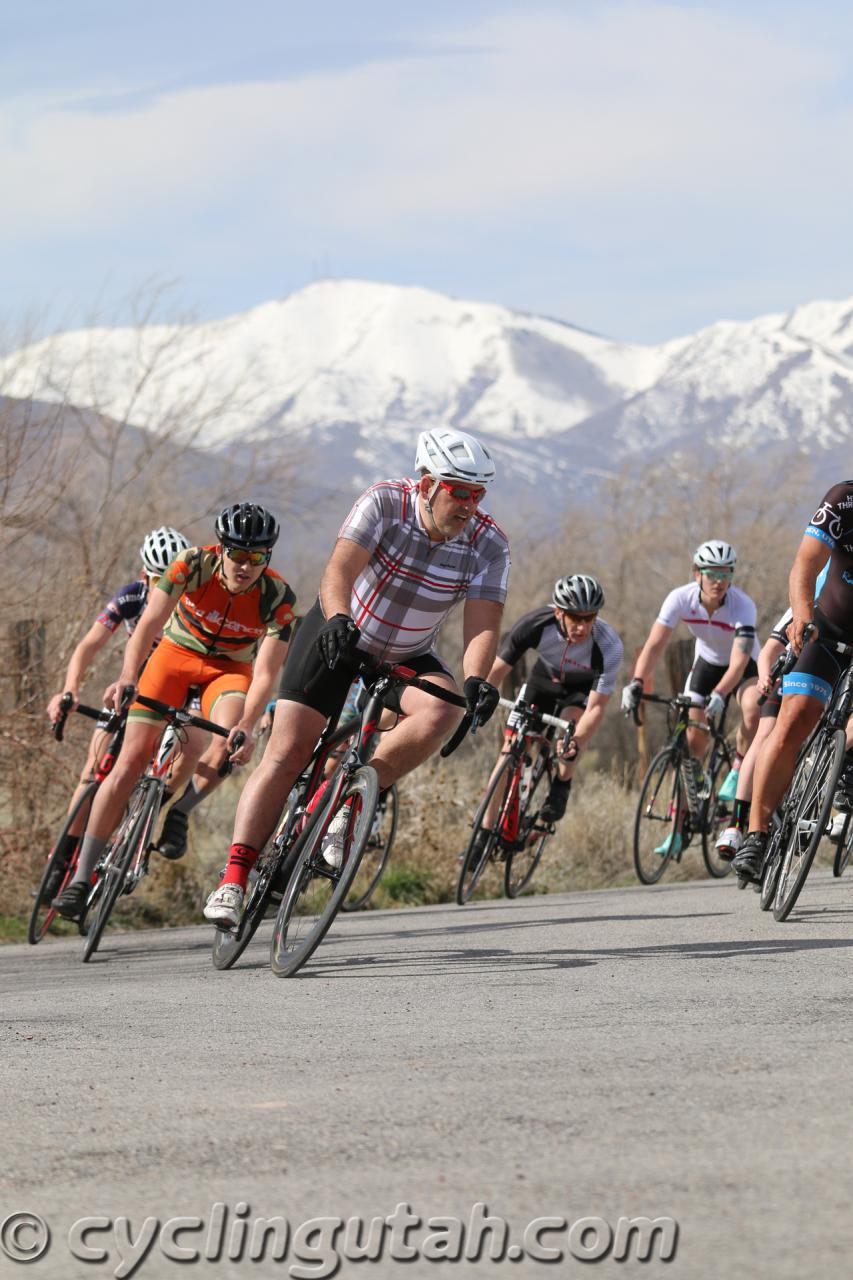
[{"x": 539, "y": 116}]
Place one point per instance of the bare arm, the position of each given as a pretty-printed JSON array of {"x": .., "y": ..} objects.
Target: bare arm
[
  {"x": 481, "y": 628},
  {"x": 81, "y": 659},
  {"x": 809, "y": 561},
  {"x": 769, "y": 653},
  {"x": 589, "y": 723},
  {"x": 271, "y": 654},
  {"x": 344, "y": 565},
  {"x": 651, "y": 651},
  {"x": 499, "y": 672}
]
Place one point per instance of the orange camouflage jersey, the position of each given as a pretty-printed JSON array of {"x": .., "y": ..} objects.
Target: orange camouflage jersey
[{"x": 209, "y": 619}]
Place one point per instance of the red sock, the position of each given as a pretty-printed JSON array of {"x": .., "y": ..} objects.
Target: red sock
[{"x": 241, "y": 859}]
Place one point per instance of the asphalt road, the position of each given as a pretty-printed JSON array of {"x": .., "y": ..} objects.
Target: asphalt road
[{"x": 666, "y": 1052}]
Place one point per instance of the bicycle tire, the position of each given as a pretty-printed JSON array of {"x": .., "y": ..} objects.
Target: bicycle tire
[
  {"x": 377, "y": 851},
  {"x": 715, "y": 816},
  {"x": 808, "y": 823},
  {"x": 772, "y": 867},
  {"x": 522, "y": 862},
  {"x": 136, "y": 826},
  {"x": 297, "y": 933},
  {"x": 661, "y": 801},
  {"x": 842, "y": 851},
  {"x": 474, "y": 863},
  {"x": 36, "y": 928},
  {"x": 228, "y": 946}
]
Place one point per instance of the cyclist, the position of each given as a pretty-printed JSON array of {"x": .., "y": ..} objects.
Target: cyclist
[
  {"x": 159, "y": 548},
  {"x": 408, "y": 551},
  {"x": 732, "y": 838},
  {"x": 220, "y": 608},
  {"x": 722, "y": 618},
  {"x": 578, "y": 658},
  {"x": 808, "y": 687}
]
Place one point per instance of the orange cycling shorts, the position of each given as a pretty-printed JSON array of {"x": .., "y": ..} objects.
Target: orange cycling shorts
[{"x": 172, "y": 670}]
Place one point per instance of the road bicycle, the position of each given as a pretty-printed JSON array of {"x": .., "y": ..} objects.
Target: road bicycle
[
  {"x": 517, "y": 836},
  {"x": 317, "y": 887},
  {"x": 60, "y": 867},
  {"x": 268, "y": 878},
  {"x": 808, "y": 804},
  {"x": 671, "y": 802},
  {"x": 124, "y": 861}
]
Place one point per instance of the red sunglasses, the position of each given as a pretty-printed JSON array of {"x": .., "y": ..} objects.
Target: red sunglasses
[{"x": 463, "y": 492}]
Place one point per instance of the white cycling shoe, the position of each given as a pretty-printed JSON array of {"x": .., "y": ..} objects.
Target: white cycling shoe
[
  {"x": 225, "y": 905},
  {"x": 729, "y": 843},
  {"x": 332, "y": 847}
]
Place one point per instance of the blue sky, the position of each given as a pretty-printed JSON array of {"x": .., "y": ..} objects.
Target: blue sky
[{"x": 637, "y": 168}]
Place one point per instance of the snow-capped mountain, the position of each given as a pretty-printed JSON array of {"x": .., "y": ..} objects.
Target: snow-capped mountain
[{"x": 347, "y": 372}]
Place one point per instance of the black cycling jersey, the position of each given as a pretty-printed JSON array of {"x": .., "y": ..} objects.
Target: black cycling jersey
[
  {"x": 832, "y": 524},
  {"x": 590, "y": 666}
]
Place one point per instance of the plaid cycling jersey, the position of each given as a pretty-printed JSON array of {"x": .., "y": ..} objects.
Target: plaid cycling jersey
[
  {"x": 715, "y": 635},
  {"x": 210, "y": 619},
  {"x": 592, "y": 663},
  {"x": 411, "y": 583},
  {"x": 125, "y": 607}
]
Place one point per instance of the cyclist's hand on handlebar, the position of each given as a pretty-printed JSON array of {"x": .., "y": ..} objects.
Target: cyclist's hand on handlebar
[
  {"x": 241, "y": 743},
  {"x": 337, "y": 637},
  {"x": 631, "y": 696},
  {"x": 119, "y": 695},
  {"x": 715, "y": 705},
  {"x": 481, "y": 698},
  {"x": 799, "y": 632},
  {"x": 58, "y": 708}
]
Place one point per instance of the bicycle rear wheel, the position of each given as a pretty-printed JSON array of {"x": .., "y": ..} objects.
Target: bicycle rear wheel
[
  {"x": 274, "y": 866},
  {"x": 43, "y": 913},
  {"x": 806, "y": 829},
  {"x": 316, "y": 890},
  {"x": 475, "y": 860},
  {"x": 522, "y": 861},
  {"x": 716, "y": 816},
  {"x": 377, "y": 851},
  {"x": 659, "y": 818},
  {"x": 135, "y": 829}
]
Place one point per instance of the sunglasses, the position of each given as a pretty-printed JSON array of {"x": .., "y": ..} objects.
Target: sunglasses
[
  {"x": 239, "y": 556},
  {"x": 717, "y": 575},
  {"x": 463, "y": 492}
]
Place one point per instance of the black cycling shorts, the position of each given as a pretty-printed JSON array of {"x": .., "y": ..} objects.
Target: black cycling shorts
[
  {"x": 818, "y": 666},
  {"x": 705, "y": 676},
  {"x": 307, "y": 680},
  {"x": 551, "y": 697}
]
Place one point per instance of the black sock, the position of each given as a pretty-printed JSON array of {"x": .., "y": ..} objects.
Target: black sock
[{"x": 741, "y": 814}]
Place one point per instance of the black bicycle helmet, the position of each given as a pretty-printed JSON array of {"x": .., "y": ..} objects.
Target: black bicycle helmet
[
  {"x": 245, "y": 524},
  {"x": 578, "y": 593}
]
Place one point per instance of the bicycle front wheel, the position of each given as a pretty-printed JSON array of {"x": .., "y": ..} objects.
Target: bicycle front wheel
[
  {"x": 522, "y": 861},
  {"x": 477, "y": 856},
  {"x": 43, "y": 913},
  {"x": 316, "y": 889},
  {"x": 824, "y": 761},
  {"x": 377, "y": 851},
  {"x": 716, "y": 816},
  {"x": 659, "y": 819},
  {"x": 135, "y": 829}
]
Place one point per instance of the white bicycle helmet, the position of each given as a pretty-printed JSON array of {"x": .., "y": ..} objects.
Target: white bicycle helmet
[
  {"x": 160, "y": 548},
  {"x": 578, "y": 593},
  {"x": 446, "y": 454},
  {"x": 715, "y": 554}
]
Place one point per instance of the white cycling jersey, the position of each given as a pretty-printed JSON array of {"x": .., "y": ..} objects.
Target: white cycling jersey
[{"x": 715, "y": 633}]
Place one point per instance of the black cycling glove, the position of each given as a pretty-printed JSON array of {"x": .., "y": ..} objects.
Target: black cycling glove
[
  {"x": 336, "y": 638},
  {"x": 481, "y": 697}
]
